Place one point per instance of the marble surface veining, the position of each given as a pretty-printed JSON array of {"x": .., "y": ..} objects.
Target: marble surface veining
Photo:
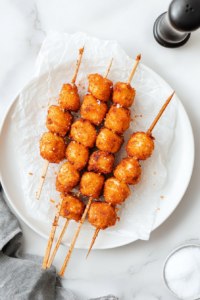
[{"x": 133, "y": 271}]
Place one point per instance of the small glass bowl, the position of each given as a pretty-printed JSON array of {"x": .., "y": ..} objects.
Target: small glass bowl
[{"x": 163, "y": 271}]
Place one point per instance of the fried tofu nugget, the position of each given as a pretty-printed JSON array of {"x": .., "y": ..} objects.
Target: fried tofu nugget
[
  {"x": 102, "y": 215},
  {"x": 91, "y": 184},
  {"x": 82, "y": 131},
  {"x": 69, "y": 97},
  {"x": 123, "y": 94},
  {"x": 99, "y": 87},
  {"x": 93, "y": 110},
  {"x": 67, "y": 178},
  {"x": 52, "y": 147},
  {"x": 128, "y": 171},
  {"x": 77, "y": 155},
  {"x": 109, "y": 141},
  {"x": 72, "y": 208},
  {"x": 118, "y": 119},
  {"x": 58, "y": 121},
  {"x": 115, "y": 191},
  {"x": 140, "y": 145},
  {"x": 101, "y": 162}
]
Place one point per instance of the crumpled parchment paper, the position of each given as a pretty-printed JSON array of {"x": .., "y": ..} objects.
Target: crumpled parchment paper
[{"x": 55, "y": 66}]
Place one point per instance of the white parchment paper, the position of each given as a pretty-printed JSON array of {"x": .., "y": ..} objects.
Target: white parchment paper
[{"x": 55, "y": 66}]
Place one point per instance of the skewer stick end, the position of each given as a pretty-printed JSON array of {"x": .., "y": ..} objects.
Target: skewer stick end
[{"x": 159, "y": 114}]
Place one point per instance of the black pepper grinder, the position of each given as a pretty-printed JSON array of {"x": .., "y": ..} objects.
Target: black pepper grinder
[{"x": 172, "y": 29}]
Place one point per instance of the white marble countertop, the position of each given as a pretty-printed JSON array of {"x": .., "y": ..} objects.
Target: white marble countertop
[{"x": 132, "y": 271}]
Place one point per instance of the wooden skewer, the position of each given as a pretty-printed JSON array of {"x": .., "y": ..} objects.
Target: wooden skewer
[
  {"x": 46, "y": 164},
  {"x": 93, "y": 240},
  {"x": 52, "y": 234},
  {"x": 75, "y": 238},
  {"x": 148, "y": 132},
  {"x": 128, "y": 82},
  {"x": 44, "y": 173},
  {"x": 159, "y": 114},
  {"x": 57, "y": 244},
  {"x": 134, "y": 68},
  {"x": 108, "y": 69},
  {"x": 83, "y": 216},
  {"x": 77, "y": 65}
]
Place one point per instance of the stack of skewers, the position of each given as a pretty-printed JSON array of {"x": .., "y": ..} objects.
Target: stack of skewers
[{"x": 83, "y": 133}]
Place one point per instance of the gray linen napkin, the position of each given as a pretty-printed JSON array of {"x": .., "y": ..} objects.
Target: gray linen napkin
[{"x": 21, "y": 275}]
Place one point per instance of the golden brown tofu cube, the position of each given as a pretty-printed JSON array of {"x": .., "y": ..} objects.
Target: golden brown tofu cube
[
  {"x": 123, "y": 94},
  {"x": 140, "y": 145},
  {"x": 102, "y": 215},
  {"x": 72, "y": 208},
  {"x": 58, "y": 121},
  {"x": 69, "y": 97},
  {"x": 77, "y": 155},
  {"x": 91, "y": 184},
  {"x": 101, "y": 162},
  {"x": 99, "y": 87},
  {"x": 115, "y": 191},
  {"x": 67, "y": 178},
  {"x": 82, "y": 131},
  {"x": 128, "y": 171},
  {"x": 118, "y": 119},
  {"x": 52, "y": 147},
  {"x": 109, "y": 141},
  {"x": 93, "y": 110}
]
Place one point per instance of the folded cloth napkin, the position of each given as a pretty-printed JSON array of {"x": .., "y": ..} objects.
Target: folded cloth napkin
[{"x": 21, "y": 275}]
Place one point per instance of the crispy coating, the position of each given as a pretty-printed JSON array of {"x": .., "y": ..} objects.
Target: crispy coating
[
  {"x": 58, "y": 121},
  {"x": 102, "y": 215},
  {"x": 93, "y": 110},
  {"x": 140, "y": 145},
  {"x": 69, "y": 97},
  {"x": 109, "y": 141},
  {"x": 101, "y": 162},
  {"x": 115, "y": 191},
  {"x": 52, "y": 147},
  {"x": 67, "y": 178},
  {"x": 118, "y": 119},
  {"x": 78, "y": 155},
  {"x": 84, "y": 132},
  {"x": 72, "y": 208},
  {"x": 99, "y": 87},
  {"x": 123, "y": 94},
  {"x": 91, "y": 184},
  {"x": 128, "y": 171}
]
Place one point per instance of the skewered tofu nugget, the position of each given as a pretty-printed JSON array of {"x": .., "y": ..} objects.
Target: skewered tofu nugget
[
  {"x": 67, "y": 178},
  {"x": 101, "y": 162},
  {"x": 82, "y": 131},
  {"x": 128, "y": 171},
  {"x": 140, "y": 145},
  {"x": 115, "y": 191},
  {"x": 91, "y": 184},
  {"x": 109, "y": 141},
  {"x": 58, "y": 121},
  {"x": 72, "y": 208},
  {"x": 93, "y": 110},
  {"x": 102, "y": 215},
  {"x": 69, "y": 97},
  {"x": 52, "y": 147},
  {"x": 99, "y": 87},
  {"x": 77, "y": 155},
  {"x": 123, "y": 94},
  {"x": 118, "y": 119}
]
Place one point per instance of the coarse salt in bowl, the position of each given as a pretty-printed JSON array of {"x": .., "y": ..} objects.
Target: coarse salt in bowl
[{"x": 181, "y": 272}]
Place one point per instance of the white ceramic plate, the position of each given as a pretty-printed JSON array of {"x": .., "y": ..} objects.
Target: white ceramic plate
[{"x": 179, "y": 167}]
